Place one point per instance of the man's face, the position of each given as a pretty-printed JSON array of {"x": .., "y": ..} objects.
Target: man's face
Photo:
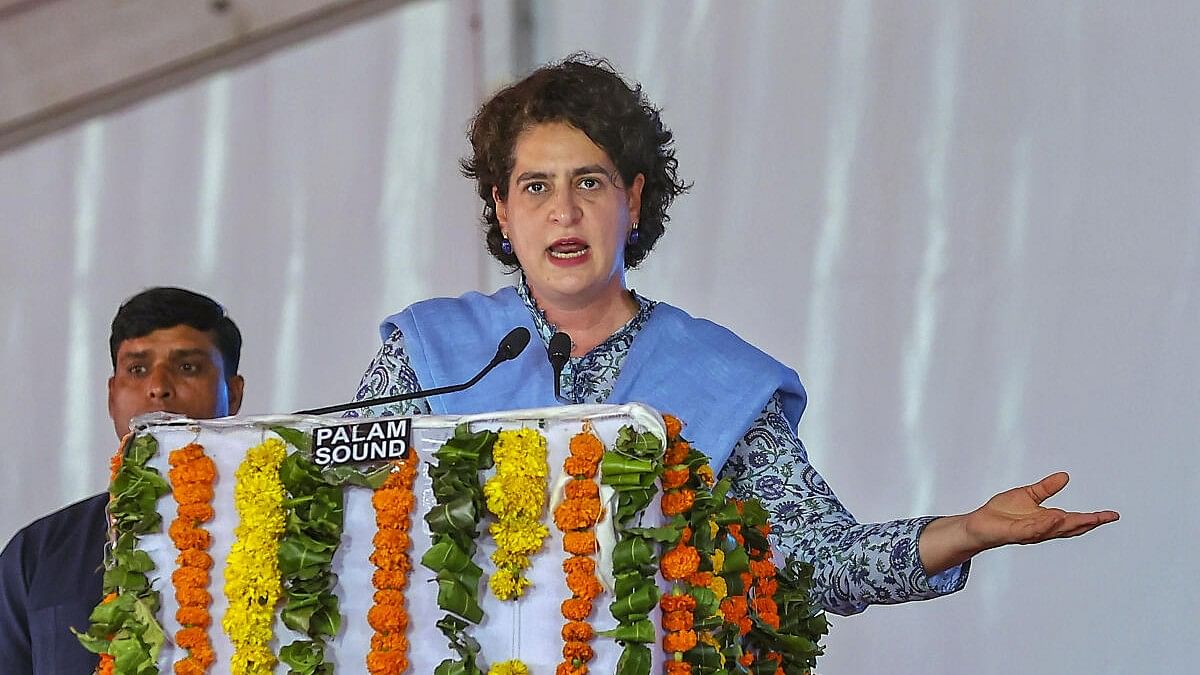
[{"x": 178, "y": 370}]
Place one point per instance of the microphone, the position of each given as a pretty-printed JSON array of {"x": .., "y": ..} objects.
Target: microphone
[
  {"x": 509, "y": 348},
  {"x": 559, "y": 351}
]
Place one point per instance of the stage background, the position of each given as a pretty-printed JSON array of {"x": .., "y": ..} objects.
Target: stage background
[{"x": 972, "y": 227}]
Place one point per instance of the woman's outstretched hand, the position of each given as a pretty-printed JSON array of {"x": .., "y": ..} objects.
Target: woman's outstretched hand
[{"x": 1014, "y": 516}]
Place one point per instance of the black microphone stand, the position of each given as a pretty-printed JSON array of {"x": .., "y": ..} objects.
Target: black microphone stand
[{"x": 510, "y": 347}]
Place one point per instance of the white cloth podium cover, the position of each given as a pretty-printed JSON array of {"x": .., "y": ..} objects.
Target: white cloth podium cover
[{"x": 528, "y": 629}]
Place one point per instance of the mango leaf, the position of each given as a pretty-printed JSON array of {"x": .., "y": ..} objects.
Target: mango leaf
[
  {"x": 626, "y": 582},
  {"x": 446, "y": 556},
  {"x": 464, "y": 645},
  {"x": 706, "y": 601},
  {"x": 728, "y": 514},
  {"x": 753, "y": 513},
  {"x": 632, "y": 553},
  {"x": 130, "y": 655},
  {"x": 736, "y": 561},
  {"x": 140, "y": 450},
  {"x": 303, "y": 656},
  {"x": 638, "y": 602},
  {"x": 645, "y": 445},
  {"x": 703, "y": 656},
  {"x": 452, "y": 667},
  {"x": 298, "y": 474},
  {"x": 454, "y": 596},
  {"x": 370, "y": 476},
  {"x": 635, "y": 660},
  {"x": 710, "y": 623},
  {"x": 297, "y": 613},
  {"x": 134, "y": 561},
  {"x": 703, "y": 541},
  {"x": 455, "y": 516},
  {"x": 121, "y": 578},
  {"x": 328, "y": 619},
  {"x": 297, "y": 553},
  {"x": 640, "y": 631},
  {"x": 616, "y": 469},
  {"x": 295, "y": 438},
  {"x": 755, "y": 539},
  {"x": 667, "y": 534},
  {"x": 95, "y": 645}
]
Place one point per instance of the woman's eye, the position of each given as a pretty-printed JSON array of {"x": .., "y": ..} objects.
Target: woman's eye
[
  {"x": 136, "y": 370},
  {"x": 535, "y": 188},
  {"x": 589, "y": 183}
]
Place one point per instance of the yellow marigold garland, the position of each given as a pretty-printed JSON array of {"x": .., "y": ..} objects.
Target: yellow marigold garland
[
  {"x": 576, "y": 517},
  {"x": 517, "y": 497},
  {"x": 393, "y": 503},
  {"x": 191, "y": 476},
  {"x": 252, "y": 583}
]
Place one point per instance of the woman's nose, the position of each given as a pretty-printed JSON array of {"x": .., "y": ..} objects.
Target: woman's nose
[{"x": 566, "y": 207}]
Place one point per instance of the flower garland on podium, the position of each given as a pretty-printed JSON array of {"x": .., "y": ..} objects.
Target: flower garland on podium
[
  {"x": 454, "y": 526},
  {"x": 576, "y": 518},
  {"x": 123, "y": 630},
  {"x": 728, "y": 609},
  {"x": 393, "y": 503},
  {"x": 252, "y": 578},
  {"x": 192, "y": 475}
]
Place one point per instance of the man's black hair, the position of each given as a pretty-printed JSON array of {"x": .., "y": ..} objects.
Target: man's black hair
[{"x": 166, "y": 307}]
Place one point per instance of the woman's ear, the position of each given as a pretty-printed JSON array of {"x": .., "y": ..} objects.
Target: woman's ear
[
  {"x": 633, "y": 194},
  {"x": 501, "y": 208}
]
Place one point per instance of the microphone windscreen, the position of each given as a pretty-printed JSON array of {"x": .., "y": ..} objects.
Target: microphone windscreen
[
  {"x": 559, "y": 349},
  {"x": 513, "y": 344}
]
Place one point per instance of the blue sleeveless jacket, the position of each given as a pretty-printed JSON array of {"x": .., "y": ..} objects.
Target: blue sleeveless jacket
[{"x": 702, "y": 373}]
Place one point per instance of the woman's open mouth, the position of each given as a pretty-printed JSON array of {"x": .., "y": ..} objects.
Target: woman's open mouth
[{"x": 568, "y": 249}]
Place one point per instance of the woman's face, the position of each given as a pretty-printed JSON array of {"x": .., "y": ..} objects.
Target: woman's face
[{"x": 568, "y": 216}]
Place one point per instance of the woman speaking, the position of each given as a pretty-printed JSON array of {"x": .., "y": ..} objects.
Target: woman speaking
[{"x": 576, "y": 172}]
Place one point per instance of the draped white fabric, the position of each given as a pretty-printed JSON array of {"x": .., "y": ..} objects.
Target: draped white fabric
[{"x": 973, "y": 228}]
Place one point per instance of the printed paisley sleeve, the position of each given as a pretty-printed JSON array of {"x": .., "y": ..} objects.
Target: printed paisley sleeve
[
  {"x": 389, "y": 374},
  {"x": 856, "y": 564}
]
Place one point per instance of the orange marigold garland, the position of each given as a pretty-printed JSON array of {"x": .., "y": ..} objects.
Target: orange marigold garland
[
  {"x": 678, "y": 619},
  {"x": 576, "y": 517},
  {"x": 393, "y": 503},
  {"x": 680, "y": 563},
  {"x": 761, "y": 588},
  {"x": 191, "y": 476}
]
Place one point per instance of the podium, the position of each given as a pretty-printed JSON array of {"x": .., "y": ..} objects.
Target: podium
[{"x": 353, "y": 456}]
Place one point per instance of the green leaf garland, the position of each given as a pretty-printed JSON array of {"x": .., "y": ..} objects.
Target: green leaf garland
[
  {"x": 124, "y": 626},
  {"x": 454, "y": 523}
]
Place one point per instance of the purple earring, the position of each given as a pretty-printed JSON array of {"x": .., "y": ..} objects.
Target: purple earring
[
  {"x": 506, "y": 246},
  {"x": 633, "y": 236}
]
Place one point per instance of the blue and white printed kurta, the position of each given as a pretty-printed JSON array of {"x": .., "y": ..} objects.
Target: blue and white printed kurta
[{"x": 856, "y": 564}]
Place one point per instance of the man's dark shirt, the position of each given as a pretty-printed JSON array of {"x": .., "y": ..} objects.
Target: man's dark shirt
[{"x": 50, "y": 579}]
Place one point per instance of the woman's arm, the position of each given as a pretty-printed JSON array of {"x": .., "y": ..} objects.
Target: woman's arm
[
  {"x": 388, "y": 375},
  {"x": 1015, "y": 516}
]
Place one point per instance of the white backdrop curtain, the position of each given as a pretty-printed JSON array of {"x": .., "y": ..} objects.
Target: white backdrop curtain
[{"x": 972, "y": 227}]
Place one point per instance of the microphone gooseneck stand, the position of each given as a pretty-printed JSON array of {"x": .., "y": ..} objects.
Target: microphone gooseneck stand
[{"x": 510, "y": 347}]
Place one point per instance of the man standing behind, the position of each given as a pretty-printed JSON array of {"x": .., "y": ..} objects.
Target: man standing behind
[{"x": 172, "y": 350}]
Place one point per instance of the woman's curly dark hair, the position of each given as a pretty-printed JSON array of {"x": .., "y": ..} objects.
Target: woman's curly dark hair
[{"x": 587, "y": 93}]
